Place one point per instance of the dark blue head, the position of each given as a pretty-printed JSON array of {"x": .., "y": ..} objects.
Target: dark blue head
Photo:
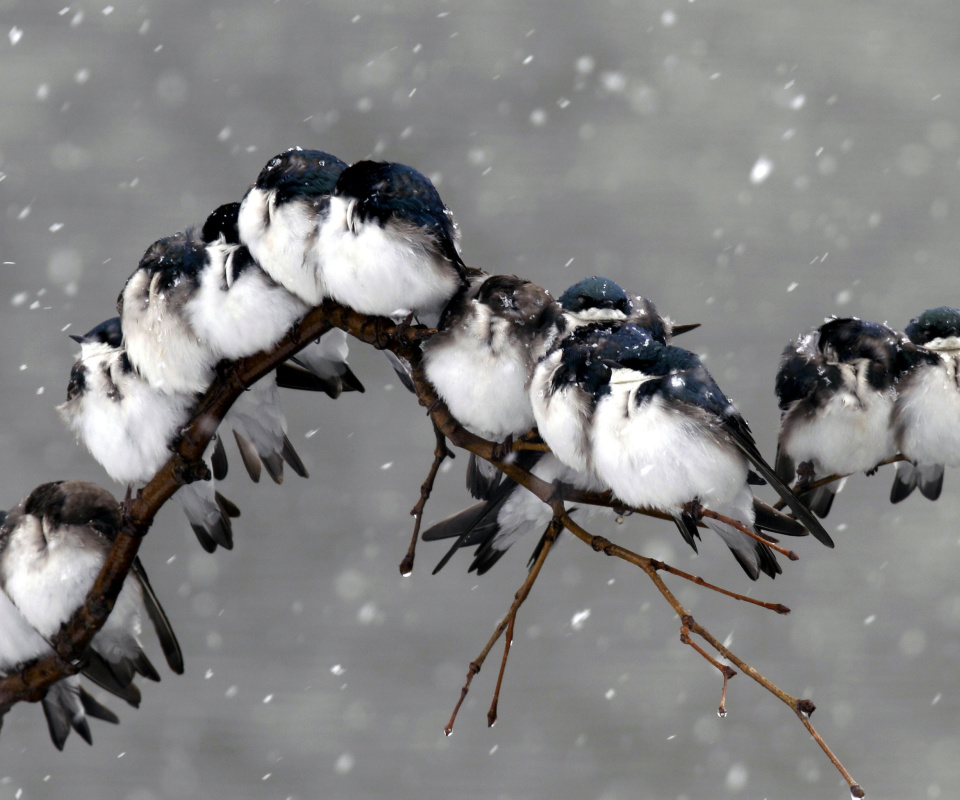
[
  {"x": 935, "y": 323},
  {"x": 299, "y": 174},
  {"x": 222, "y": 222},
  {"x": 595, "y": 292},
  {"x": 107, "y": 332},
  {"x": 176, "y": 258},
  {"x": 395, "y": 192}
]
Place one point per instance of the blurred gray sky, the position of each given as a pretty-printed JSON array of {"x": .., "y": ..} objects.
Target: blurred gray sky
[{"x": 750, "y": 166}]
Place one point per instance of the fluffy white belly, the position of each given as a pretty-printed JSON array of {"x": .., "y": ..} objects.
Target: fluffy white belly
[
  {"x": 651, "y": 455},
  {"x": 485, "y": 391},
  {"x": 845, "y": 436},
  {"x": 928, "y": 418}
]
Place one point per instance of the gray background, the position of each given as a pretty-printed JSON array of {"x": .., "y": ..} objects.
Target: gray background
[{"x": 570, "y": 139}]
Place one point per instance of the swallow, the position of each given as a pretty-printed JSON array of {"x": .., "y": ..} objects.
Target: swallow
[
  {"x": 389, "y": 246},
  {"x": 482, "y": 359},
  {"x": 67, "y": 705},
  {"x": 836, "y": 388},
  {"x": 129, "y": 428},
  {"x": 250, "y": 293},
  {"x": 926, "y": 413},
  {"x": 52, "y": 546},
  {"x": 280, "y": 217},
  {"x": 599, "y": 300},
  {"x": 661, "y": 434}
]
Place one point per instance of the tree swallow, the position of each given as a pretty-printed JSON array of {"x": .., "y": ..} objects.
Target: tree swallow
[
  {"x": 128, "y": 427},
  {"x": 66, "y": 705},
  {"x": 926, "y": 414},
  {"x": 389, "y": 246},
  {"x": 52, "y": 546},
  {"x": 659, "y": 432},
  {"x": 281, "y": 216},
  {"x": 600, "y": 300},
  {"x": 836, "y": 387},
  {"x": 325, "y": 358},
  {"x": 482, "y": 358}
]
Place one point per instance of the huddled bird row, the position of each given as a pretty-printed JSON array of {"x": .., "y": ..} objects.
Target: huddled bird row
[{"x": 595, "y": 372}]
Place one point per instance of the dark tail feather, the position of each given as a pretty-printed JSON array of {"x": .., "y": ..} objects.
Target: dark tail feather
[
  {"x": 351, "y": 383},
  {"x": 274, "y": 467},
  {"x": 785, "y": 466},
  {"x": 168, "y": 639},
  {"x": 249, "y": 456},
  {"x": 749, "y": 449},
  {"x": 904, "y": 482},
  {"x": 290, "y": 376},
  {"x": 687, "y": 525},
  {"x": 293, "y": 459},
  {"x": 931, "y": 481},
  {"x": 820, "y": 500},
  {"x": 482, "y": 477},
  {"x": 100, "y": 672},
  {"x": 769, "y": 519},
  {"x": 95, "y": 709},
  {"x": 219, "y": 460}
]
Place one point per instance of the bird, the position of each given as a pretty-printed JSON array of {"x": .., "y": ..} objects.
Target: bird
[
  {"x": 389, "y": 246},
  {"x": 280, "y": 217},
  {"x": 836, "y": 387},
  {"x": 562, "y": 407},
  {"x": 66, "y": 704},
  {"x": 250, "y": 292},
  {"x": 509, "y": 510},
  {"x": 659, "y": 432},
  {"x": 52, "y": 547},
  {"x": 599, "y": 300},
  {"x": 129, "y": 427},
  {"x": 926, "y": 413},
  {"x": 481, "y": 361}
]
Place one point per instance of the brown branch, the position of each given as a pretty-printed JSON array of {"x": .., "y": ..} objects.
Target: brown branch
[
  {"x": 522, "y": 593},
  {"x": 706, "y": 512},
  {"x": 70, "y": 643},
  {"x": 73, "y": 638},
  {"x": 440, "y": 452},
  {"x": 803, "y": 708},
  {"x": 725, "y": 670},
  {"x": 804, "y": 486}
]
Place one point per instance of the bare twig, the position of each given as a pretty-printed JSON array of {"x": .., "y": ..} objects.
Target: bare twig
[
  {"x": 706, "y": 512},
  {"x": 804, "y": 486},
  {"x": 70, "y": 643},
  {"x": 522, "y": 593},
  {"x": 507, "y": 642},
  {"x": 440, "y": 452},
  {"x": 801, "y": 707}
]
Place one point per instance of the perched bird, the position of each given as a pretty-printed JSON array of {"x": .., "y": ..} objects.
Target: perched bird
[
  {"x": 238, "y": 286},
  {"x": 129, "y": 427},
  {"x": 926, "y": 414},
  {"x": 482, "y": 358},
  {"x": 281, "y": 215},
  {"x": 658, "y": 431},
  {"x": 52, "y": 546},
  {"x": 600, "y": 300},
  {"x": 66, "y": 705},
  {"x": 837, "y": 387},
  {"x": 389, "y": 246},
  {"x": 562, "y": 408}
]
